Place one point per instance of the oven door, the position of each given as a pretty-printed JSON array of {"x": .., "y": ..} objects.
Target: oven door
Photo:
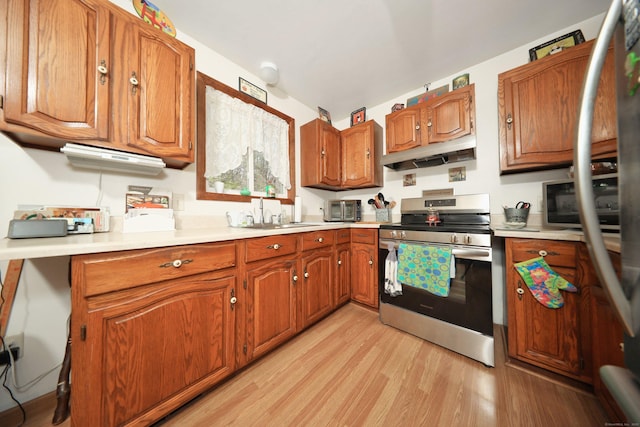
[{"x": 469, "y": 303}]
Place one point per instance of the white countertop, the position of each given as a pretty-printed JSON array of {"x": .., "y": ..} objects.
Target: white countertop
[
  {"x": 116, "y": 241},
  {"x": 611, "y": 240}
]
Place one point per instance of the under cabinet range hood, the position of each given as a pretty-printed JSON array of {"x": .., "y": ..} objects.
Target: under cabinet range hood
[
  {"x": 83, "y": 156},
  {"x": 435, "y": 154}
]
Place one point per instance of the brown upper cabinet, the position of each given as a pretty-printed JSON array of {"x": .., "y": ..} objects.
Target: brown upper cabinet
[
  {"x": 440, "y": 119},
  {"x": 89, "y": 72},
  {"x": 340, "y": 160},
  {"x": 538, "y": 106}
]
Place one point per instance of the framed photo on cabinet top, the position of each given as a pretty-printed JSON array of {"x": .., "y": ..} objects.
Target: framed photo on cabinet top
[
  {"x": 556, "y": 45},
  {"x": 358, "y": 116},
  {"x": 324, "y": 115}
]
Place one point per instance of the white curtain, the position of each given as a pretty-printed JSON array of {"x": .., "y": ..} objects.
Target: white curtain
[{"x": 234, "y": 126}]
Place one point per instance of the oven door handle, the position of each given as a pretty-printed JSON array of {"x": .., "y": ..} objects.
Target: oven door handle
[{"x": 471, "y": 253}]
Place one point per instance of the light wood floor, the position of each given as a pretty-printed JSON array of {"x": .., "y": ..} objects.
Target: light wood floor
[{"x": 350, "y": 370}]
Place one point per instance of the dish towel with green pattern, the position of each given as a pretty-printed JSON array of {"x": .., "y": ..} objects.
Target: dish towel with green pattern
[
  {"x": 426, "y": 267},
  {"x": 544, "y": 283}
]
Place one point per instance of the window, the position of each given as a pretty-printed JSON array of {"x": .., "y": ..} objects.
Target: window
[{"x": 242, "y": 142}]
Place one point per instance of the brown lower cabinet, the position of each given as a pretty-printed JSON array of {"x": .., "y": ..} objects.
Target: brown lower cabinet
[
  {"x": 364, "y": 266},
  {"x": 574, "y": 340},
  {"x": 154, "y": 328}
]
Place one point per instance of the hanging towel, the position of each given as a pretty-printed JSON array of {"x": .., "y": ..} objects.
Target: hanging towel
[
  {"x": 543, "y": 282},
  {"x": 426, "y": 267},
  {"x": 391, "y": 284}
]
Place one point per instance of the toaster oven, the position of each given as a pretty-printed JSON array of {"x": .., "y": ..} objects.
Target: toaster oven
[
  {"x": 343, "y": 210},
  {"x": 561, "y": 205}
]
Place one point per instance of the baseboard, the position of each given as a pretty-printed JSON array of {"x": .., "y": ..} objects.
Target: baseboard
[{"x": 44, "y": 403}]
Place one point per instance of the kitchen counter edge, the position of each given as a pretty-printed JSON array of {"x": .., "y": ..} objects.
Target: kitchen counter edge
[
  {"x": 611, "y": 240},
  {"x": 78, "y": 244}
]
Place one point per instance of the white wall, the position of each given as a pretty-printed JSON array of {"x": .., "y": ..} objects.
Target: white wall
[{"x": 29, "y": 176}]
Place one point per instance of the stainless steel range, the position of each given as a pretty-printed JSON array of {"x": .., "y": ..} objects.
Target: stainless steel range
[{"x": 462, "y": 321}]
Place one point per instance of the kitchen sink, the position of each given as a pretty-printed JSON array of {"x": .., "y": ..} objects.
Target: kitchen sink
[{"x": 278, "y": 226}]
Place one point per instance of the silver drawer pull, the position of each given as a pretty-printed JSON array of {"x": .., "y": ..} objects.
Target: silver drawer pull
[
  {"x": 542, "y": 252},
  {"x": 320, "y": 239},
  {"x": 276, "y": 246},
  {"x": 177, "y": 263}
]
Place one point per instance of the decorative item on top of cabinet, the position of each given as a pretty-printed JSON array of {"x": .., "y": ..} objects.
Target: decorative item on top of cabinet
[
  {"x": 130, "y": 89},
  {"x": 440, "y": 119},
  {"x": 364, "y": 266},
  {"x": 554, "y": 339},
  {"x": 537, "y": 126},
  {"x": 340, "y": 160}
]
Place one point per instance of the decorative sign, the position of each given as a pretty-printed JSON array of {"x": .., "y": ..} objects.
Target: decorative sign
[
  {"x": 358, "y": 116},
  {"x": 556, "y": 45},
  {"x": 252, "y": 90},
  {"x": 152, "y": 15}
]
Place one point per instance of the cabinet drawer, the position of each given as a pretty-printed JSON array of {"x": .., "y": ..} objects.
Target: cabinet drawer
[
  {"x": 343, "y": 236},
  {"x": 270, "y": 246},
  {"x": 363, "y": 235},
  {"x": 557, "y": 253},
  {"x": 318, "y": 239},
  {"x": 114, "y": 271}
]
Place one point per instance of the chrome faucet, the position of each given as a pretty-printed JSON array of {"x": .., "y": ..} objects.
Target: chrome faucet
[{"x": 261, "y": 211}]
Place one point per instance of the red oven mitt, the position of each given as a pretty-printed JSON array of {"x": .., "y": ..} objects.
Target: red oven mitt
[{"x": 543, "y": 282}]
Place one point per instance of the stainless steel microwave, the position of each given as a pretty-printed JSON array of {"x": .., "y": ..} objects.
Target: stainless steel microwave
[
  {"x": 343, "y": 210},
  {"x": 561, "y": 206}
]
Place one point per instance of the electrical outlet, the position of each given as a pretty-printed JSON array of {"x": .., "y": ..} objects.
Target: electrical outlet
[{"x": 16, "y": 341}]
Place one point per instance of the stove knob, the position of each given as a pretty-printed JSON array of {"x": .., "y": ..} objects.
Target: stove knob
[
  {"x": 403, "y": 234},
  {"x": 394, "y": 234},
  {"x": 454, "y": 238},
  {"x": 467, "y": 239}
]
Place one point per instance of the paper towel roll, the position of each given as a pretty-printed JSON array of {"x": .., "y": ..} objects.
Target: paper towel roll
[{"x": 297, "y": 209}]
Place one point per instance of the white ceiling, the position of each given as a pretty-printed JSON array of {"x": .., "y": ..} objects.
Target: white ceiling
[{"x": 343, "y": 55}]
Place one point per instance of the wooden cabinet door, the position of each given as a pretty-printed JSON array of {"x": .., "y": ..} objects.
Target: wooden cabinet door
[
  {"x": 360, "y": 168},
  {"x": 451, "y": 116},
  {"x": 364, "y": 274},
  {"x": 538, "y": 105},
  {"x": 320, "y": 155},
  {"x": 545, "y": 337},
  {"x": 342, "y": 292},
  {"x": 271, "y": 305},
  {"x": 140, "y": 353},
  {"x": 54, "y": 49},
  {"x": 608, "y": 348},
  {"x": 156, "y": 85},
  {"x": 316, "y": 286},
  {"x": 404, "y": 129}
]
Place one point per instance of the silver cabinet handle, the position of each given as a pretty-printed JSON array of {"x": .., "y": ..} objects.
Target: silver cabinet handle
[
  {"x": 134, "y": 82},
  {"x": 102, "y": 69},
  {"x": 177, "y": 263}
]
